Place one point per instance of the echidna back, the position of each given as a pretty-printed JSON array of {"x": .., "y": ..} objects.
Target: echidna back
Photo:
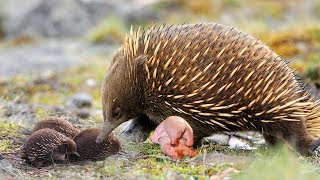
[{"x": 214, "y": 74}]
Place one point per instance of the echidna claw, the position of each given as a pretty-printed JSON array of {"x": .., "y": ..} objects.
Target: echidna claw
[{"x": 315, "y": 146}]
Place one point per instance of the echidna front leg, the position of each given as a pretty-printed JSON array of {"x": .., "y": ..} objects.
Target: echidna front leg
[{"x": 139, "y": 129}]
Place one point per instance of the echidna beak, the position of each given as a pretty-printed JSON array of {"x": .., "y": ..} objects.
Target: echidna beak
[{"x": 107, "y": 128}]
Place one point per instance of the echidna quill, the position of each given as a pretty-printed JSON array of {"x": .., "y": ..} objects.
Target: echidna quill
[
  {"x": 59, "y": 124},
  {"x": 47, "y": 145},
  {"x": 88, "y": 148},
  {"x": 215, "y": 77}
]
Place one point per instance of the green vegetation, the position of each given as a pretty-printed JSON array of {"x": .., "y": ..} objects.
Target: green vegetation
[
  {"x": 279, "y": 164},
  {"x": 313, "y": 67},
  {"x": 111, "y": 29}
]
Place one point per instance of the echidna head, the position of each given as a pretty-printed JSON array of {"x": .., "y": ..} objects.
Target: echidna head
[
  {"x": 71, "y": 146},
  {"x": 120, "y": 94}
]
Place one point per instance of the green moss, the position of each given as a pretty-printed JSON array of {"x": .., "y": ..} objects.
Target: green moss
[
  {"x": 8, "y": 132},
  {"x": 8, "y": 129},
  {"x": 157, "y": 167},
  {"x": 113, "y": 167},
  {"x": 6, "y": 145}
]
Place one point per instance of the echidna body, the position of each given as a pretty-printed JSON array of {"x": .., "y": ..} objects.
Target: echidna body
[
  {"x": 215, "y": 77},
  {"x": 47, "y": 145},
  {"x": 59, "y": 124},
  {"x": 89, "y": 149}
]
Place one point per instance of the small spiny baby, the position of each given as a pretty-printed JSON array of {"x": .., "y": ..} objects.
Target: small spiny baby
[
  {"x": 89, "y": 149},
  {"x": 215, "y": 77},
  {"x": 59, "y": 124},
  {"x": 47, "y": 146}
]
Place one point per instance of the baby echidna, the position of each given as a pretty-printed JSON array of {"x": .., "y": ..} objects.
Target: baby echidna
[
  {"x": 47, "y": 145},
  {"x": 59, "y": 124},
  {"x": 88, "y": 148},
  {"x": 215, "y": 77}
]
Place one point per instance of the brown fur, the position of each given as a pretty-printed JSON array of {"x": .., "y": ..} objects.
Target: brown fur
[
  {"x": 214, "y": 76},
  {"x": 47, "y": 145},
  {"x": 88, "y": 148},
  {"x": 59, "y": 124}
]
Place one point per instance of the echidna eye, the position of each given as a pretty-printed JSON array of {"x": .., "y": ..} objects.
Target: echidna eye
[{"x": 116, "y": 113}]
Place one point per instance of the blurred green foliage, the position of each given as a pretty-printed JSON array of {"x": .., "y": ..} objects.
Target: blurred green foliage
[
  {"x": 279, "y": 164},
  {"x": 111, "y": 29}
]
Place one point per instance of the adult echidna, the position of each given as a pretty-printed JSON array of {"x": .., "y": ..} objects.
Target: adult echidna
[
  {"x": 47, "y": 145},
  {"x": 59, "y": 124},
  {"x": 215, "y": 77},
  {"x": 89, "y": 149}
]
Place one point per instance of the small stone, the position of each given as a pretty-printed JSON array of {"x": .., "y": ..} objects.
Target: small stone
[
  {"x": 219, "y": 158},
  {"x": 91, "y": 82},
  {"x": 221, "y": 139},
  {"x": 236, "y": 143},
  {"x": 82, "y": 113},
  {"x": 80, "y": 100}
]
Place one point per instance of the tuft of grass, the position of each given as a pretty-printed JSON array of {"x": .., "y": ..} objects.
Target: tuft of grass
[
  {"x": 278, "y": 164},
  {"x": 111, "y": 28}
]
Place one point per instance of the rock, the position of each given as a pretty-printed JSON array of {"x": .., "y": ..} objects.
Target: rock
[
  {"x": 236, "y": 143},
  {"x": 61, "y": 18},
  {"x": 48, "y": 18},
  {"x": 82, "y": 113},
  {"x": 47, "y": 58},
  {"x": 221, "y": 139},
  {"x": 90, "y": 82},
  {"x": 7, "y": 171},
  {"x": 220, "y": 158},
  {"x": 17, "y": 109},
  {"x": 38, "y": 58},
  {"x": 80, "y": 100}
]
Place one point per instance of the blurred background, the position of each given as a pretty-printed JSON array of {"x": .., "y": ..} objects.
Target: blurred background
[
  {"x": 54, "y": 54},
  {"x": 40, "y": 35}
]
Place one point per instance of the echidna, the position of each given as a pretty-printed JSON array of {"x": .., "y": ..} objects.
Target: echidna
[
  {"x": 89, "y": 149},
  {"x": 59, "y": 124},
  {"x": 47, "y": 145},
  {"x": 215, "y": 77}
]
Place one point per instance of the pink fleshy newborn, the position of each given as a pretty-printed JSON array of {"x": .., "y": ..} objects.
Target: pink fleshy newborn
[{"x": 175, "y": 137}]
